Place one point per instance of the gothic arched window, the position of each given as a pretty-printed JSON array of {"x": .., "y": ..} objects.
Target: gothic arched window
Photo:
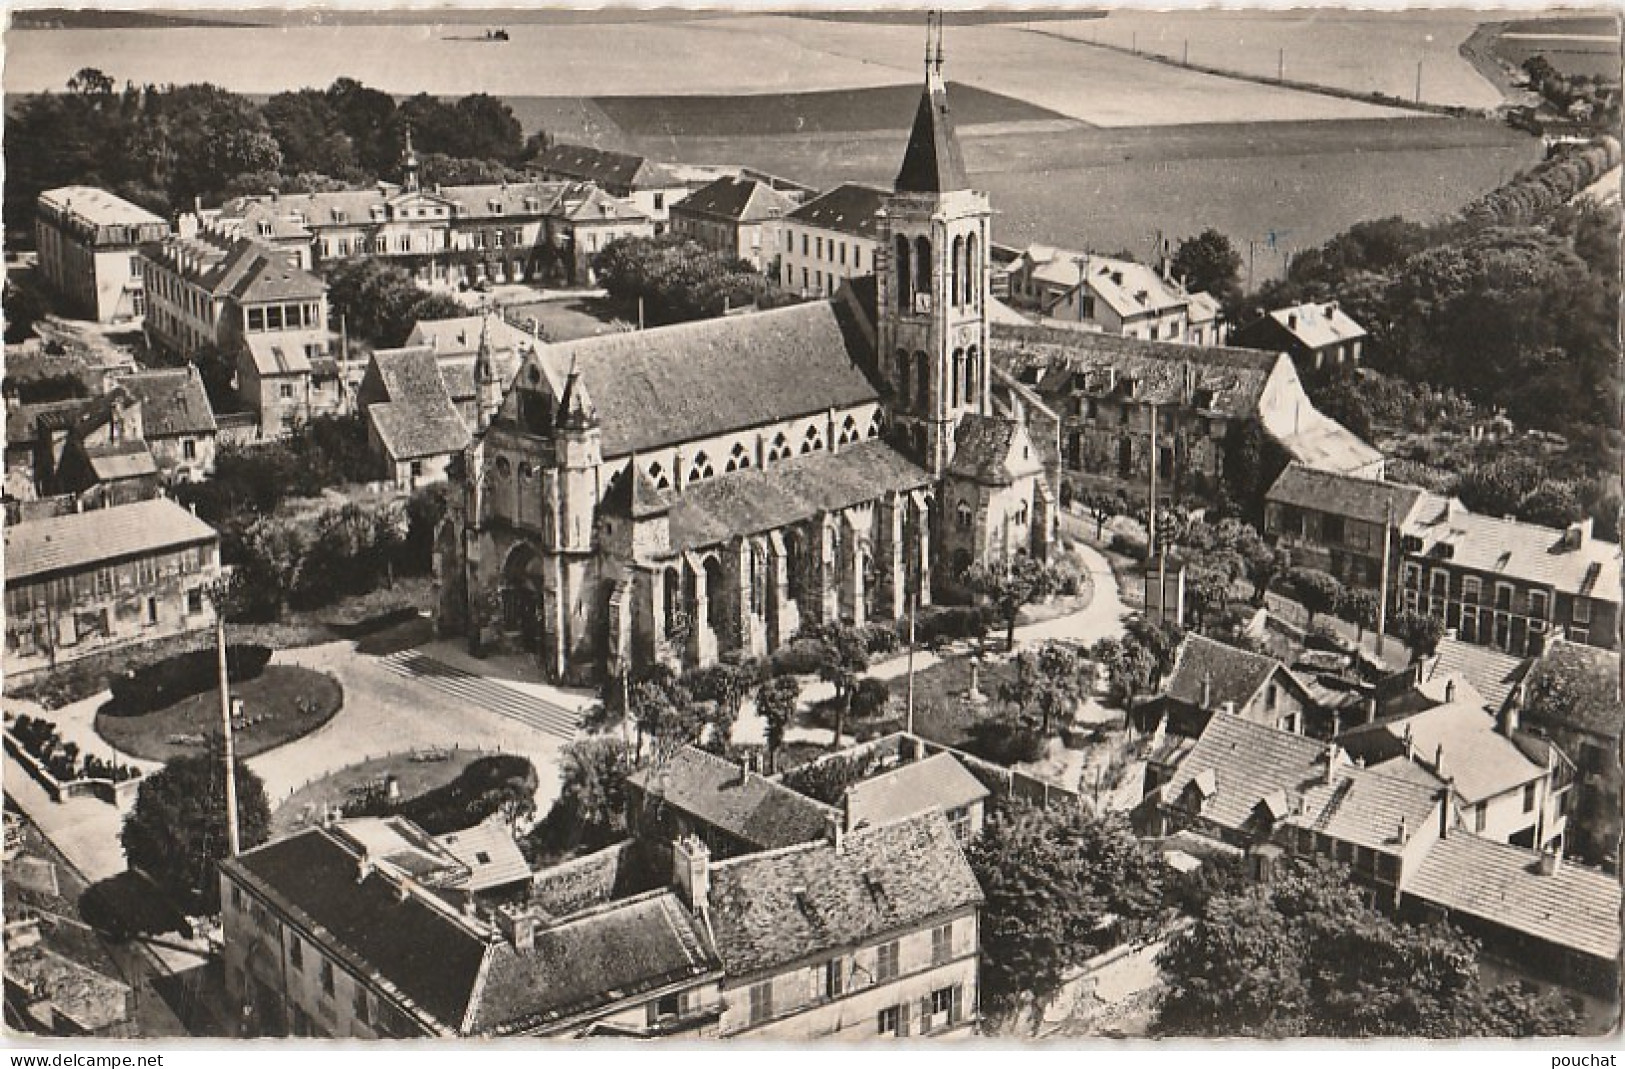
[
  {"x": 701, "y": 467},
  {"x": 922, "y": 265},
  {"x": 814, "y": 440},
  {"x": 922, "y": 375},
  {"x": 903, "y": 273},
  {"x": 956, "y": 293},
  {"x": 954, "y": 377},
  {"x": 849, "y": 431},
  {"x": 970, "y": 375},
  {"x": 902, "y": 376},
  {"x": 779, "y": 450},
  {"x": 657, "y": 475},
  {"x": 973, "y": 273},
  {"x": 739, "y": 458},
  {"x": 962, "y": 514}
]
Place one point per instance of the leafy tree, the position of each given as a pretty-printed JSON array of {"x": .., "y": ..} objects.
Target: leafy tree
[
  {"x": 1051, "y": 876},
  {"x": 590, "y": 812},
  {"x": 828, "y": 778},
  {"x": 1420, "y": 631},
  {"x": 308, "y": 131},
  {"x": 1552, "y": 503},
  {"x": 1319, "y": 592},
  {"x": 1129, "y": 668},
  {"x": 1011, "y": 587},
  {"x": 1209, "y": 264},
  {"x": 367, "y": 118},
  {"x": 176, "y": 833},
  {"x": 679, "y": 279},
  {"x": 870, "y": 697},
  {"x": 777, "y": 699},
  {"x": 724, "y": 685},
  {"x": 1497, "y": 488},
  {"x": 425, "y": 510},
  {"x": 1102, "y": 505},
  {"x": 1305, "y": 956},
  {"x": 1359, "y": 607},
  {"x": 381, "y": 303},
  {"x": 1209, "y": 592},
  {"x": 1051, "y": 679},
  {"x": 843, "y": 655},
  {"x": 664, "y": 710},
  {"x": 1342, "y": 396}
]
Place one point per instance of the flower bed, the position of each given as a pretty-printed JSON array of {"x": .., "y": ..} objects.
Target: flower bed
[{"x": 61, "y": 770}]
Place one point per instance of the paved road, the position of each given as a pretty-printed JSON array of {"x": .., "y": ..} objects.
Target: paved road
[{"x": 545, "y": 716}]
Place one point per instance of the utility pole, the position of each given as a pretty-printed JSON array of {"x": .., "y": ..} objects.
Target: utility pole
[
  {"x": 1382, "y": 590},
  {"x": 1419, "y": 81},
  {"x": 1151, "y": 513},
  {"x": 913, "y": 614},
  {"x": 1280, "y": 66},
  {"x": 1187, "y": 58},
  {"x": 217, "y": 594}
]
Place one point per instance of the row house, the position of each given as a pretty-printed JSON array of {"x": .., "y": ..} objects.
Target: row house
[
  {"x": 1318, "y": 337},
  {"x": 650, "y": 188},
  {"x": 1509, "y": 584},
  {"x": 89, "y": 244},
  {"x": 1112, "y": 295},
  {"x": 831, "y": 238},
  {"x": 325, "y": 934},
  {"x": 1336, "y": 522},
  {"x": 1108, "y": 390},
  {"x": 737, "y": 216},
  {"x": 100, "y": 582},
  {"x": 1400, "y": 830}
]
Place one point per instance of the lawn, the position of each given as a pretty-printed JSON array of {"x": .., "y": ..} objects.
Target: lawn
[
  {"x": 940, "y": 712},
  {"x": 416, "y": 773},
  {"x": 284, "y": 703},
  {"x": 572, "y": 319}
]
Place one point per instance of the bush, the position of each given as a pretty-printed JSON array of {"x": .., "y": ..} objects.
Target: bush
[
  {"x": 937, "y": 624},
  {"x": 1007, "y": 743},
  {"x": 161, "y": 685},
  {"x": 502, "y": 782},
  {"x": 799, "y": 657},
  {"x": 880, "y": 639},
  {"x": 870, "y": 697},
  {"x": 1125, "y": 546}
]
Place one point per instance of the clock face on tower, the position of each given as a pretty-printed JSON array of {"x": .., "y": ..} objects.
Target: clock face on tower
[{"x": 922, "y": 304}]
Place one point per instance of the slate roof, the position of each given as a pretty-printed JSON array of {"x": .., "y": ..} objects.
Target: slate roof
[
  {"x": 1318, "y": 325},
  {"x": 757, "y": 500},
  {"x": 736, "y": 200},
  {"x": 1489, "y": 671},
  {"x": 634, "y": 495},
  {"x": 240, "y": 267},
  {"x": 1574, "y": 907},
  {"x": 656, "y": 388},
  {"x": 756, "y": 810},
  {"x": 1482, "y": 761},
  {"x": 596, "y": 206},
  {"x": 173, "y": 402},
  {"x": 932, "y": 162},
  {"x": 83, "y": 539},
  {"x": 1523, "y": 551},
  {"x": 459, "y": 373},
  {"x": 432, "y": 959},
  {"x": 938, "y": 782},
  {"x": 120, "y": 460},
  {"x": 983, "y": 447},
  {"x": 418, "y": 419},
  {"x": 489, "y": 852},
  {"x": 460, "y": 336},
  {"x": 1247, "y": 763},
  {"x": 1351, "y": 496},
  {"x": 604, "y": 166},
  {"x": 849, "y": 208},
  {"x": 1063, "y": 360},
  {"x": 1311, "y": 437},
  {"x": 97, "y": 206},
  {"x": 893, "y": 878},
  {"x": 1131, "y": 289},
  {"x": 603, "y": 956},
  {"x": 1235, "y": 674},
  {"x": 273, "y": 356}
]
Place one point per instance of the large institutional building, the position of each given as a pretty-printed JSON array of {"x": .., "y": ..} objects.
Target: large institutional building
[{"x": 676, "y": 494}]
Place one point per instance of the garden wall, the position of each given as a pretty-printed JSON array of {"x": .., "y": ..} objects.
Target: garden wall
[{"x": 120, "y": 795}]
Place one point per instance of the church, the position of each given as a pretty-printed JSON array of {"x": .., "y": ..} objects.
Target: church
[{"x": 678, "y": 494}]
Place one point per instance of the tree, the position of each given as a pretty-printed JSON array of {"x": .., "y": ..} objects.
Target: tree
[
  {"x": 1051, "y": 876},
  {"x": 1359, "y": 607},
  {"x": 1129, "y": 668},
  {"x": 679, "y": 279},
  {"x": 590, "y": 812},
  {"x": 1209, "y": 264},
  {"x": 842, "y": 656},
  {"x": 308, "y": 131},
  {"x": 724, "y": 685},
  {"x": 176, "y": 833},
  {"x": 1209, "y": 592},
  {"x": 1317, "y": 591},
  {"x": 1552, "y": 503},
  {"x": 1305, "y": 956},
  {"x": 381, "y": 303},
  {"x": 1102, "y": 505},
  {"x": 777, "y": 699},
  {"x": 1052, "y": 679},
  {"x": 1010, "y": 587},
  {"x": 1420, "y": 631}
]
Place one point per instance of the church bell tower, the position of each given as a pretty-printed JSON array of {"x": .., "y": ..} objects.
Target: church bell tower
[{"x": 933, "y": 282}]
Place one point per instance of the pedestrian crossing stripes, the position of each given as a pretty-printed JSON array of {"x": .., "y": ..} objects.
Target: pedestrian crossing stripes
[{"x": 538, "y": 713}]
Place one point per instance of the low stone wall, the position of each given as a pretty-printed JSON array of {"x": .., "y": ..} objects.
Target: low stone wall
[{"x": 118, "y": 794}]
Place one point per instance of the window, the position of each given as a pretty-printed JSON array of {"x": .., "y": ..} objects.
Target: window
[
  {"x": 1537, "y": 604},
  {"x": 1481, "y": 816},
  {"x": 256, "y": 319},
  {"x": 1439, "y": 583},
  {"x": 236, "y": 896},
  {"x": 417, "y": 469},
  {"x": 818, "y": 246},
  {"x": 327, "y": 977},
  {"x": 942, "y": 1003},
  {"x": 1503, "y": 596},
  {"x": 189, "y": 448},
  {"x": 804, "y": 244},
  {"x": 942, "y": 943},
  {"x": 761, "y": 1001},
  {"x": 194, "y": 601},
  {"x": 660, "y": 201},
  {"x": 962, "y": 514},
  {"x": 152, "y": 611},
  {"x": 1582, "y": 610},
  {"x": 1413, "y": 576},
  {"x": 1529, "y": 798},
  {"x": 285, "y": 391},
  {"x": 886, "y": 961},
  {"x": 959, "y": 821},
  {"x": 667, "y": 1008},
  {"x": 296, "y": 953},
  {"x": 1471, "y": 589},
  {"x": 363, "y": 1006},
  {"x": 890, "y": 1022},
  {"x": 834, "y": 978}
]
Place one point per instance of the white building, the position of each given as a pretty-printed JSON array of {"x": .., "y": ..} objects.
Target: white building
[
  {"x": 89, "y": 250},
  {"x": 831, "y": 238}
]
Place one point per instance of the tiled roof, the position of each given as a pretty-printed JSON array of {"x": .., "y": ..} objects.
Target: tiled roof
[
  {"x": 432, "y": 959},
  {"x": 490, "y": 853},
  {"x": 1318, "y": 325},
  {"x": 938, "y": 782},
  {"x": 603, "y": 166},
  {"x": 1482, "y": 761},
  {"x": 120, "y": 460},
  {"x": 596, "y": 206},
  {"x": 603, "y": 956},
  {"x": 656, "y": 388},
  {"x": 757, "y": 500},
  {"x": 1131, "y": 289},
  {"x": 1573, "y": 907},
  {"x": 1248, "y": 762},
  {"x": 500, "y": 200},
  {"x": 737, "y": 200},
  {"x": 82, "y": 539},
  {"x": 1523, "y": 551},
  {"x": 1311, "y": 437},
  {"x": 1490, "y": 672},
  {"x": 418, "y": 419},
  {"x": 634, "y": 495},
  {"x": 769, "y": 910},
  {"x": 932, "y": 162},
  {"x": 460, "y": 336},
  {"x": 1367, "y": 500},
  {"x": 983, "y": 450},
  {"x": 756, "y": 810},
  {"x": 459, "y": 373},
  {"x": 173, "y": 402},
  {"x": 1063, "y": 361},
  {"x": 239, "y": 267},
  {"x": 1228, "y": 673},
  {"x": 850, "y": 208},
  {"x": 274, "y": 356}
]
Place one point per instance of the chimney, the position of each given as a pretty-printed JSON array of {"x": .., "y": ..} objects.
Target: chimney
[
  {"x": 1549, "y": 863},
  {"x": 1207, "y": 689},
  {"x": 691, "y": 871},
  {"x": 363, "y": 866},
  {"x": 1447, "y": 807},
  {"x": 1228, "y": 708},
  {"x": 1438, "y": 760},
  {"x": 1510, "y": 718},
  {"x": 1449, "y": 691},
  {"x": 519, "y": 925},
  {"x": 1404, "y": 834},
  {"x": 1334, "y": 757},
  {"x": 1292, "y": 321},
  {"x": 1577, "y": 534},
  {"x": 1410, "y": 744}
]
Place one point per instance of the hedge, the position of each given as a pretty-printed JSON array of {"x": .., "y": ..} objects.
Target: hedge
[{"x": 161, "y": 685}]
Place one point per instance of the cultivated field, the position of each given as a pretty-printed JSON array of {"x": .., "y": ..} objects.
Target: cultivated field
[
  {"x": 1347, "y": 50},
  {"x": 1575, "y": 46}
]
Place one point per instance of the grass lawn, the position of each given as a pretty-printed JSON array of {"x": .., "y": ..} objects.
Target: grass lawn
[
  {"x": 347, "y": 618},
  {"x": 416, "y": 778},
  {"x": 285, "y": 703},
  {"x": 940, "y": 712}
]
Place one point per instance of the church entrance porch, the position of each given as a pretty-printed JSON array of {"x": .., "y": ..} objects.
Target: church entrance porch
[{"x": 521, "y": 597}]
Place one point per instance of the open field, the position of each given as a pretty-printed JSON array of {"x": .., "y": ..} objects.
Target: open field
[{"x": 1348, "y": 50}]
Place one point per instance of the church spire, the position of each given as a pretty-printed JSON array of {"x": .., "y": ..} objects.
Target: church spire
[
  {"x": 932, "y": 163},
  {"x": 487, "y": 383}
]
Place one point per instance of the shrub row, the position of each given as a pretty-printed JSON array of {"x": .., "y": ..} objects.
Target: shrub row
[{"x": 160, "y": 685}]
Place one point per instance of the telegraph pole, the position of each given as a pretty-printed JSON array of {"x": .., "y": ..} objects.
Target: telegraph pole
[
  {"x": 1382, "y": 590},
  {"x": 1151, "y": 513},
  {"x": 217, "y": 595},
  {"x": 913, "y": 614}
]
